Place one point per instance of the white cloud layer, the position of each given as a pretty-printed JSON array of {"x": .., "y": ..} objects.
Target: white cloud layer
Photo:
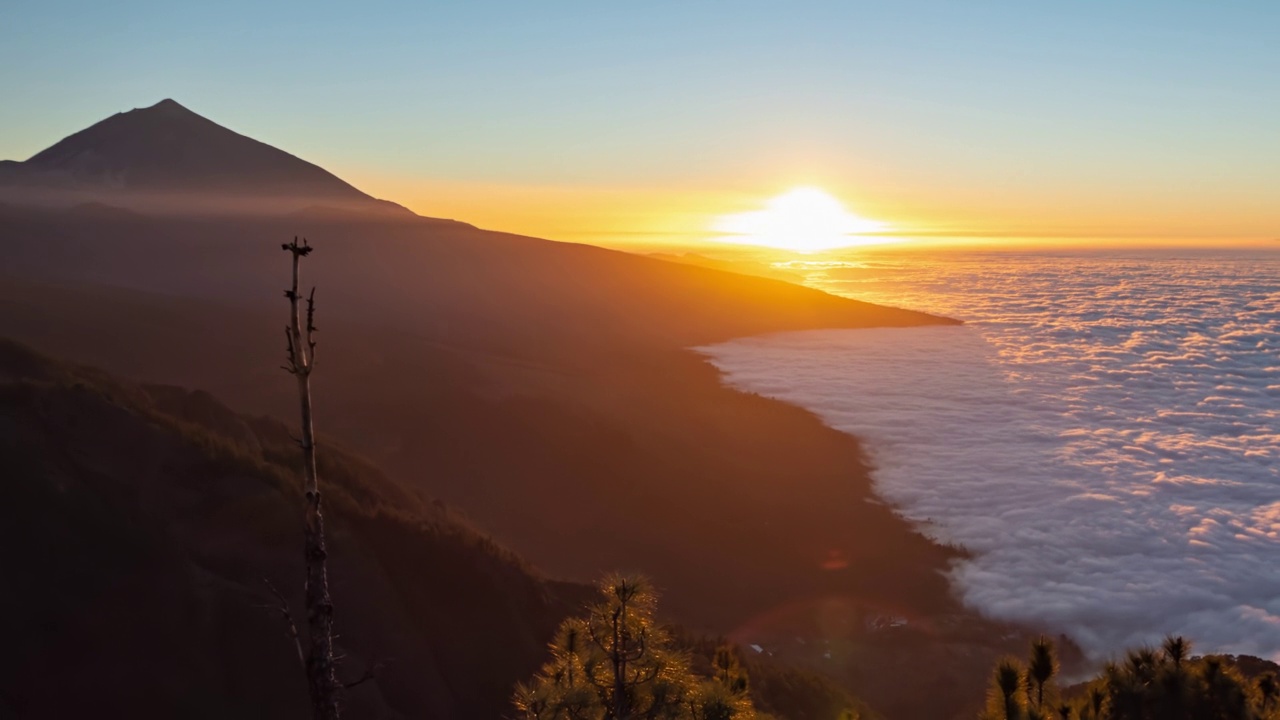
[{"x": 1104, "y": 433}]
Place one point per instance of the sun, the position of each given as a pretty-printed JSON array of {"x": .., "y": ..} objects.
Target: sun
[{"x": 806, "y": 219}]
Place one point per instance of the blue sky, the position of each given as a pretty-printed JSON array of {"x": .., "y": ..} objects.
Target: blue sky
[{"x": 911, "y": 105}]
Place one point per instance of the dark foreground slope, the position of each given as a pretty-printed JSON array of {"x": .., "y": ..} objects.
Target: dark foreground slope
[
  {"x": 736, "y": 504},
  {"x": 137, "y": 525},
  {"x": 754, "y": 519}
]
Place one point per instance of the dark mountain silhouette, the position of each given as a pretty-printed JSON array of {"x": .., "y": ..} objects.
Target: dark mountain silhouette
[
  {"x": 454, "y": 280},
  {"x": 167, "y": 158},
  {"x": 447, "y": 281}
]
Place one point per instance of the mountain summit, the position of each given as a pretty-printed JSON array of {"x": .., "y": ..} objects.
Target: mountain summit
[{"x": 168, "y": 157}]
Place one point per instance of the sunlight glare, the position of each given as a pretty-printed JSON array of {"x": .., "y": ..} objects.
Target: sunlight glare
[{"x": 806, "y": 219}]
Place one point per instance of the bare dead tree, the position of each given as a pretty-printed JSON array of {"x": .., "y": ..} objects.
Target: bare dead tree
[
  {"x": 322, "y": 680},
  {"x": 282, "y": 607}
]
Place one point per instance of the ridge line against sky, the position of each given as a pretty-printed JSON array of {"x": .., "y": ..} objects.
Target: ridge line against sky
[{"x": 577, "y": 119}]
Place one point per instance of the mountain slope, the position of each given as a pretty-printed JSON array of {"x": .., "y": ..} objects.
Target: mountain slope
[
  {"x": 215, "y": 205},
  {"x": 442, "y": 280},
  {"x": 137, "y": 525},
  {"x": 168, "y": 158},
  {"x": 666, "y": 469}
]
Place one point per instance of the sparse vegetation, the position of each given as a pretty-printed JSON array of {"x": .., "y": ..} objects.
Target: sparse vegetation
[
  {"x": 617, "y": 663},
  {"x": 1148, "y": 684}
]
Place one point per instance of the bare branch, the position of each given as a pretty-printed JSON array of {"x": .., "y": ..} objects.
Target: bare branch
[
  {"x": 290, "y": 352},
  {"x": 644, "y": 675},
  {"x": 591, "y": 631},
  {"x": 311, "y": 312},
  {"x": 370, "y": 673},
  {"x": 639, "y": 650},
  {"x": 311, "y": 328},
  {"x": 282, "y": 607},
  {"x": 300, "y": 250}
]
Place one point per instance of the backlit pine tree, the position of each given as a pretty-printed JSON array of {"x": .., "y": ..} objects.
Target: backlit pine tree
[
  {"x": 617, "y": 663},
  {"x": 1148, "y": 684}
]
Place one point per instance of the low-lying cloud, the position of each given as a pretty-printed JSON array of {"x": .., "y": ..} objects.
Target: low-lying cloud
[{"x": 1104, "y": 433}]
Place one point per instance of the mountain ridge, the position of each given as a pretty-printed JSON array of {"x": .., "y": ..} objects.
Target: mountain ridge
[{"x": 166, "y": 157}]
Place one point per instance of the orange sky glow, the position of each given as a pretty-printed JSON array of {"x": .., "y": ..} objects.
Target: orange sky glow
[
  {"x": 640, "y": 125},
  {"x": 694, "y": 217}
]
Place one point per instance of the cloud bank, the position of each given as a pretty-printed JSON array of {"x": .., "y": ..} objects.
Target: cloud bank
[{"x": 1104, "y": 433}]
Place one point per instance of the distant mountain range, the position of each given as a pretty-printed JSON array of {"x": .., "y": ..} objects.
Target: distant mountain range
[{"x": 169, "y": 159}]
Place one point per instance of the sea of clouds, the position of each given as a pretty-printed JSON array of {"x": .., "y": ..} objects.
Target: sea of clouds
[{"x": 1104, "y": 432}]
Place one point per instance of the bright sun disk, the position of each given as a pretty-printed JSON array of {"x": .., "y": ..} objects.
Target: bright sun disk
[{"x": 806, "y": 219}]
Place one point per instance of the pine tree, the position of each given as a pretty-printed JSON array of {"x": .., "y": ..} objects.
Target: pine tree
[
  {"x": 1005, "y": 700},
  {"x": 1268, "y": 692},
  {"x": 1041, "y": 667},
  {"x": 1146, "y": 684},
  {"x": 618, "y": 663}
]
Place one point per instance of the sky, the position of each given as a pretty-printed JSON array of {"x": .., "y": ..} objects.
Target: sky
[{"x": 607, "y": 121}]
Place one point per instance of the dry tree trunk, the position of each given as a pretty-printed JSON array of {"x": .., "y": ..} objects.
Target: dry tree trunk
[{"x": 322, "y": 678}]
